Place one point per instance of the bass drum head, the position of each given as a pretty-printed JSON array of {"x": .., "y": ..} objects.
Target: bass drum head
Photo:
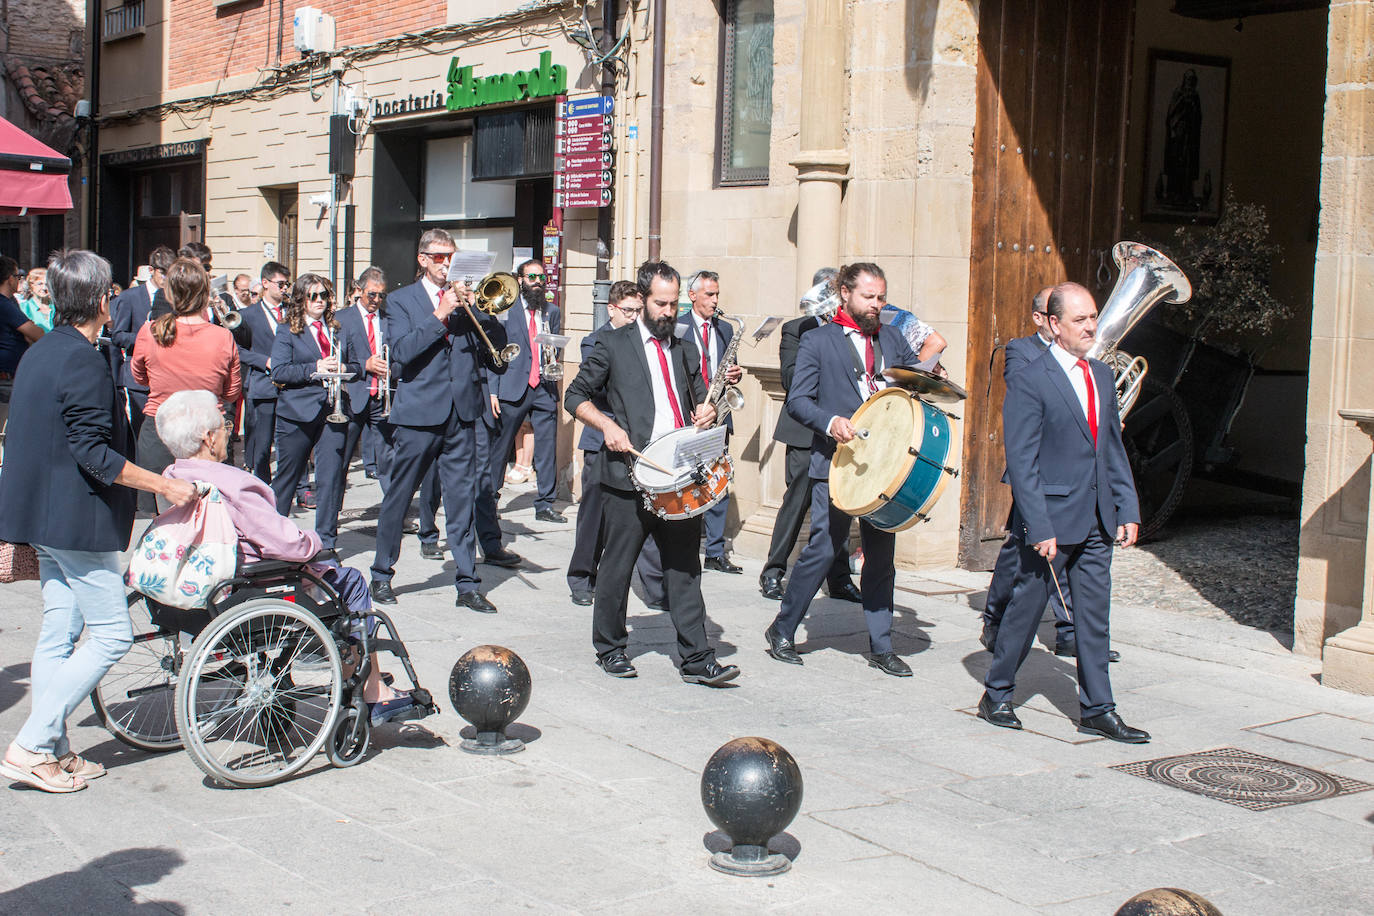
[
  {"x": 865, "y": 469},
  {"x": 660, "y": 451}
]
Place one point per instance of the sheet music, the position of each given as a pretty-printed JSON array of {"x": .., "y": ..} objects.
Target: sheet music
[
  {"x": 546, "y": 339},
  {"x": 470, "y": 266},
  {"x": 703, "y": 447},
  {"x": 766, "y": 328}
]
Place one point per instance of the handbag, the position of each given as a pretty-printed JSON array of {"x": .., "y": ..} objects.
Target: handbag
[
  {"x": 186, "y": 551},
  {"x": 18, "y": 562}
]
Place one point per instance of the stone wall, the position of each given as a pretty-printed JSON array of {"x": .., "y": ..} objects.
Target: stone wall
[
  {"x": 45, "y": 31},
  {"x": 1332, "y": 576}
]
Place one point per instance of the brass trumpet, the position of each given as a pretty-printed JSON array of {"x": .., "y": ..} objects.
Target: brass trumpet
[
  {"x": 385, "y": 354},
  {"x": 496, "y": 292}
]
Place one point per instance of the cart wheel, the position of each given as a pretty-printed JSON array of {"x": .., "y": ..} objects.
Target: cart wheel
[
  {"x": 136, "y": 699},
  {"x": 352, "y": 734},
  {"x": 1159, "y": 444}
]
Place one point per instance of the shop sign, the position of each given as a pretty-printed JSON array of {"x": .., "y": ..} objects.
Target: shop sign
[
  {"x": 582, "y": 181},
  {"x": 411, "y": 104},
  {"x": 466, "y": 91},
  {"x": 182, "y": 150}
]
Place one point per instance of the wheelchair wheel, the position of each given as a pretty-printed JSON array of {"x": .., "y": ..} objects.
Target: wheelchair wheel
[
  {"x": 136, "y": 700},
  {"x": 348, "y": 745},
  {"x": 259, "y": 693}
]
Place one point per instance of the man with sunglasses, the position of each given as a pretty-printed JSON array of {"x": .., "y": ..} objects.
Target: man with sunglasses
[
  {"x": 363, "y": 327},
  {"x": 439, "y": 362},
  {"x": 261, "y": 322},
  {"x": 520, "y": 391},
  {"x": 623, "y": 308}
]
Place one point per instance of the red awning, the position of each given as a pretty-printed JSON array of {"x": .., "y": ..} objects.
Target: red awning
[{"x": 33, "y": 176}]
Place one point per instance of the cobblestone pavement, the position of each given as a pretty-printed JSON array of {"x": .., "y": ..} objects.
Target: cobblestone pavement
[{"x": 911, "y": 804}]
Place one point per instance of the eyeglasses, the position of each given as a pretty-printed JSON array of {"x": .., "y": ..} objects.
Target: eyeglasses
[
  {"x": 320, "y": 297},
  {"x": 376, "y": 297},
  {"x": 630, "y": 310},
  {"x": 439, "y": 257},
  {"x": 534, "y": 276}
]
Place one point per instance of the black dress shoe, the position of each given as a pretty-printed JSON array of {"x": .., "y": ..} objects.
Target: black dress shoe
[
  {"x": 617, "y": 664},
  {"x": 583, "y": 598},
  {"x": 780, "y": 647},
  {"x": 989, "y": 637},
  {"x": 889, "y": 663},
  {"x": 410, "y": 527},
  {"x": 1070, "y": 650},
  {"x": 432, "y": 551},
  {"x": 999, "y": 714},
  {"x": 656, "y": 605},
  {"x": 306, "y": 500},
  {"x": 502, "y": 557},
  {"x": 770, "y": 585},
  {"x": 722, "y": 564},
  {"x": 549, "y": 515},
  {"x": 382, "y": 593},
  {"x": 845, "y": 591},
  {"x": 475, "y": 601},
  {"x": 1109, "y": 725},
  {"x": 712, "y": 674}
]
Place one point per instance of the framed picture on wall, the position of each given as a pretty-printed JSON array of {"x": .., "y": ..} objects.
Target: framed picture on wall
[{"x": 1185, "y": 137}]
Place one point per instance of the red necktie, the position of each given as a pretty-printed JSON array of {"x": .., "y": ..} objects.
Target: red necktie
[
  {"x": 321, "y": 339},
  {"x": 706, "y": 352},
  {"x": 372, "y": 386},
  {"x": 439, "y": 300},
  {"x": 534, "y": 361},
  {"x": 1092, "y": 400},
  {"x": 277, "y": 311},
  {"x": 668, "y": 383}
]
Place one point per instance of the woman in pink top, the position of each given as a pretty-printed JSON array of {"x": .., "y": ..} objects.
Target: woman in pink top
[{"x": 182, "y": 351}]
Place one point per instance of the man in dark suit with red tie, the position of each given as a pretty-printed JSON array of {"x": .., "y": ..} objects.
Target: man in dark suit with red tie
[
  {"x": 1073, "y": 497},
  {"x": 652, "y": 382},
  {"x": 363, "y": 326}
]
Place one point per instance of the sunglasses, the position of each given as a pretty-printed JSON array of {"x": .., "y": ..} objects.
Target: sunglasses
[
  {"x": 439, "y": 257},
  {"x": 376, "y": 297},
  {"x": 280, "y": 284},
  {"x": 535, "y": 276},
  {"x": 320, "y": 297}
]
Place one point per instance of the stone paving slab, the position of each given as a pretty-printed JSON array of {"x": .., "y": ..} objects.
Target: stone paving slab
[{"x": 911, "y": 804}]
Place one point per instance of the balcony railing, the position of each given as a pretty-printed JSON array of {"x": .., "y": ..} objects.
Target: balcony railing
[{"x": 123, "y": 21}]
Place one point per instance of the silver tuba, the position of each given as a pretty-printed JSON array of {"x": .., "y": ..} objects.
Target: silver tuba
[
  {"x": 821, "y": 301},
  {"x": 1147, "y": 277}
]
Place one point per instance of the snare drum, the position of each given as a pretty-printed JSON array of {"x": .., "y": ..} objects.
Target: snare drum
[
  {"x": 892, "y": 477},
  {"x": 680, "y": 494}
]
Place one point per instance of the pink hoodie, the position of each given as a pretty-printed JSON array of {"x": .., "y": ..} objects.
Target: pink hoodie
[{"x": 263, "y": 534}]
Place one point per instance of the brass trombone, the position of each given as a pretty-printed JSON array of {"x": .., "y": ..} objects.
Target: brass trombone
[{"x": 496, "y": 292}]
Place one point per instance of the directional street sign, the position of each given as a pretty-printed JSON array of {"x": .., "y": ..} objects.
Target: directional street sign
[
  {"x": 594, "y": 198},
  {"x": 582, "y": 181},
  {"x": 581, "y": 108},
  {"x": 592, "y": 162},
  {"x": 584, "y": 144},
  {"x": 579, "y": 126}
]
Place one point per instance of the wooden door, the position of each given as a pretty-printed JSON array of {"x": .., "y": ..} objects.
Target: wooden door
[
  {"x": 288, "y": 228},
  {"x": 1047, "y": 190}
]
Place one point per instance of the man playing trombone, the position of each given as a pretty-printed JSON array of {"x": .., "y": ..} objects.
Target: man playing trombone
[{"x": 363, "y": 326}]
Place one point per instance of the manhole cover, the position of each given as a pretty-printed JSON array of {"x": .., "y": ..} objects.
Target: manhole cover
[{"x": 1241, "y": 778}]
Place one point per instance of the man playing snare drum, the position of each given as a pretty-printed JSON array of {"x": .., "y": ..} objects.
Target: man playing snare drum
[
  {"x": 839, "y": 366},
  {"x": 652, "y": 383}
]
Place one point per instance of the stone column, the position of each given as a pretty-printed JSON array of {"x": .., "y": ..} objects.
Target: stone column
[
  {"x": 822, "y": 163},
  {"x": 1348, "y": 656}
]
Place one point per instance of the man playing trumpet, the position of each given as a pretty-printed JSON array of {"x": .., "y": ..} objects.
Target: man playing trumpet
[{"x": 364, "y": 327}]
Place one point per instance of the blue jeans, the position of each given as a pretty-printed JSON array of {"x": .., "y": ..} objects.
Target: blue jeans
[{"x": 82, "y": 590}]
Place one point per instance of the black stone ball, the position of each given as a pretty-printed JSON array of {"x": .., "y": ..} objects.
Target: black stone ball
[
  {"x": 751, "y": 789},
  {"x": 1167, "y": 901},
  {"x": 489, "y": 687}
]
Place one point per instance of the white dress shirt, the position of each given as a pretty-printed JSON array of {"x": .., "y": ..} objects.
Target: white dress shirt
[
  {"x": 271, "y": 314},
  {"x": 856, "y": 340},
  {"x": 712, "y": 343},
  {"x": 1069, "y": 363},
  {"x": 431, "y": 290},
  {"x": 664, "y": 421},
  {"x": 377, "y": 324}
]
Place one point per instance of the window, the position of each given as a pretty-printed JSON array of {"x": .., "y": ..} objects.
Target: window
[{"x": 746, "y": 92}]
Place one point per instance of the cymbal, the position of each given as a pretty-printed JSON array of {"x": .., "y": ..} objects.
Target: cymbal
[{"x": 926, "y": 384}]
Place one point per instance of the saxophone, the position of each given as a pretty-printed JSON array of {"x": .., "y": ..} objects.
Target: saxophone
[{"x": 725, "y": 398}]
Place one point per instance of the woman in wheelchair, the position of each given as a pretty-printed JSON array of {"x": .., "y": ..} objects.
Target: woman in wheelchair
[{"x": 192, "y": 427}]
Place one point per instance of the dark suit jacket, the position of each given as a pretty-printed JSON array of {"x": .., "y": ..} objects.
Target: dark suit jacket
[
  {"x": 128, "y": 313},
  {"x": 510, "y": 382},
  {"x": 1060, "y": 484},
  {"x": 618, "y": 368},
  {"x": 58, "y": 486},
  {"x": 824, "y": 384},
  {"x": 591, "y": 439},
  {"x": 723, "y": 331},
  {"x": 789, "y": 431},
  {"x": 1017, "y": 354},
  {"x": 353, "y": 329},
  {"x": 253, "y": 357},
  {"x": 439, "y": 365},
  {"x": 294, "y": 357}
]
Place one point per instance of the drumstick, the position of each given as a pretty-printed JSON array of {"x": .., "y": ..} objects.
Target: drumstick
[
  {"x": 1062, "y": 603},
  {"x": 858, "y": 434},
  {"x": 651, "y": 463}
]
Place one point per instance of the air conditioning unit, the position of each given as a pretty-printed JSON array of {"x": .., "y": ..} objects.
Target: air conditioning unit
[{"x": 313, "y": 31}]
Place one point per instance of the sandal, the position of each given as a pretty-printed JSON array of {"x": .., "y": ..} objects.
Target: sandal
[
  {"x": 27, "y": 771},
  {"x": 80, "y": 766}
]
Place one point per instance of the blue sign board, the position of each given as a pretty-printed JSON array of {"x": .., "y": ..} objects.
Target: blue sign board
[{"x": 582, "y": 108}]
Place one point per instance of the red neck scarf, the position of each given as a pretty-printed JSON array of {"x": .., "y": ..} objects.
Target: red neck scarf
[{"x": 846, "y": 320}]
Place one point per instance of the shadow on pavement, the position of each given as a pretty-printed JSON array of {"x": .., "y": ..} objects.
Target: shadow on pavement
[{"x": 92, "y": 889}]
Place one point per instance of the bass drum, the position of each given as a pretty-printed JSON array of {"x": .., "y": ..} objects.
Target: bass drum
[
  {"x": 892, "y": 476},
  {"x": 684, "y": 493}
]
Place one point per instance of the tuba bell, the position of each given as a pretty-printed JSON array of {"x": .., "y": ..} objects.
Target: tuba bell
[
  {"x": 821, "y": 301},
  {"x": 496, "y": 292},
  {"x": 1147, "y": 278}
]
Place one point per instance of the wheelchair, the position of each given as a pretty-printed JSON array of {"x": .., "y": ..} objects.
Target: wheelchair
[{"x": 253, "y": 685}]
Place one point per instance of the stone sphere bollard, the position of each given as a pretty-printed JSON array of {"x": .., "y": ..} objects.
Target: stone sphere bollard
[
  {"x": 751, "y": 789},
  {"x": 490, "y": 687},
  {"x": 1167, "y": 901}
]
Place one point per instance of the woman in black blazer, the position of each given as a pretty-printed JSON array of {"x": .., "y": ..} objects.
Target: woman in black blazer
[
  {"x": 308, "y": 341},
  {"x": 65, "y": 490}
]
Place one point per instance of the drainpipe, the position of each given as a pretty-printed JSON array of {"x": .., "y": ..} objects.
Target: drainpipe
[
  {"x": 656, "y": 136},
  {"x": 95, "y": 13}
]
